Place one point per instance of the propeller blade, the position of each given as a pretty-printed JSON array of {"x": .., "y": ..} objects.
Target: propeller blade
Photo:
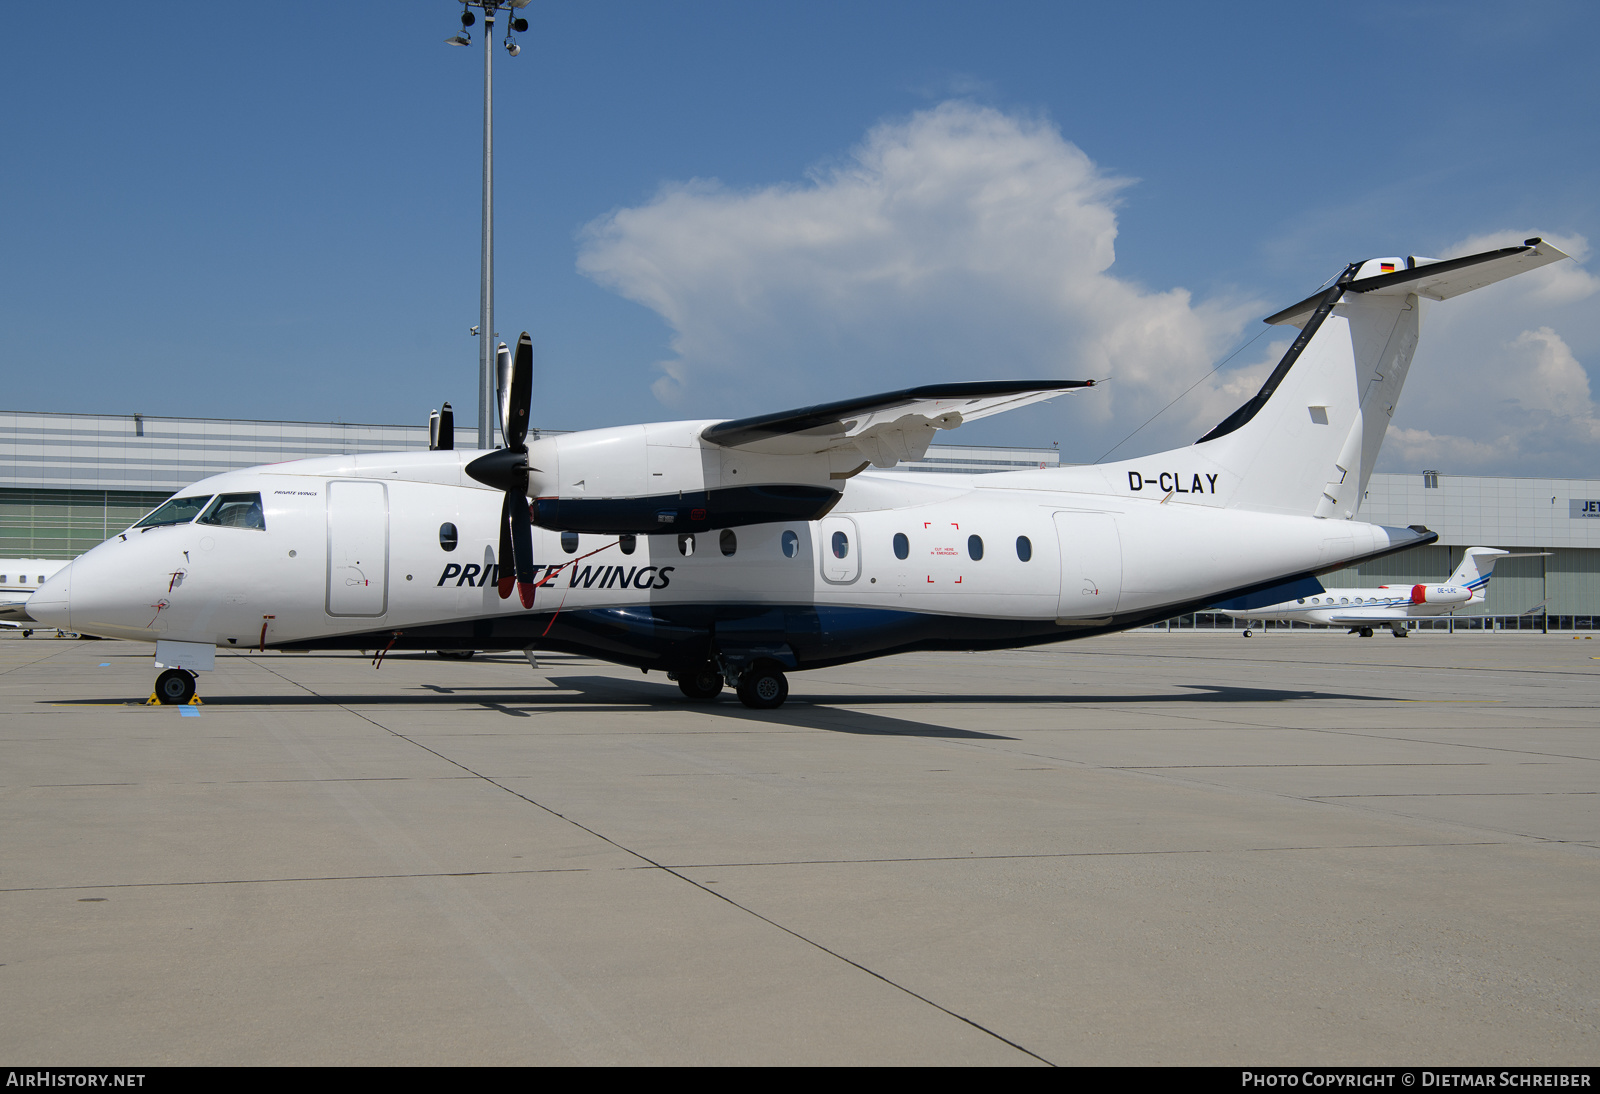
[
  {"x": 447, "y": 429},
  {"x": 508, "y": 566},
  {"x": 522, "y": 547},
  {"x": 514, "y": 385},
  {"x": 442, "y": 430}
]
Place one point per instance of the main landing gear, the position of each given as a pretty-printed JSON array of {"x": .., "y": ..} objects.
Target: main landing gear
[
  {"x": 174, "y": 687},
  {"x": 702, "y": 684},
  {"x": 763, "y": 686},
  {"x": 1364, "y": 632}
]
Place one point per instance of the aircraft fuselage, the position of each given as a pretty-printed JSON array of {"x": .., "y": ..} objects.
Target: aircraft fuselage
[{"x": 355, "y": 554}]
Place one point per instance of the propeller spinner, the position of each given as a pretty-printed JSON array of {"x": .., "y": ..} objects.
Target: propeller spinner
[{"x": 506, "y": 469}]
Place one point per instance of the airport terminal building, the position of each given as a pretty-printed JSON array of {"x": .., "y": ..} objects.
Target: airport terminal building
[{"x": 68, "y": 481}]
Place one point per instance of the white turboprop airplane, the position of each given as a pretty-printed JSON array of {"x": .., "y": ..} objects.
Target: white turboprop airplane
[
  {"x": 20, "y": 578},
  {"x": 736, "y": 551},
  {"x": 1389, "y": 605}
]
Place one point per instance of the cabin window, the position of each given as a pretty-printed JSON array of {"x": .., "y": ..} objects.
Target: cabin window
[
  {"x": 627, "y": 541},
  {"x": 841, "y": 545},
  {"x": 975, "y": 547},
  {"x": 791, "y": 544},
  {"x": 1343, "y": 600},
  {"x": 686, "y": 544},
  {"x": 902, "y": 545},
  {"x": 447, "y": 536},
  {"x": 1024, "y": 549},
  {"x": 176, "y": 511},
  {"x": 728, "y": 541},
  {"x": 569, "y": 542}
]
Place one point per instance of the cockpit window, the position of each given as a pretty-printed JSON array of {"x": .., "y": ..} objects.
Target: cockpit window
[
  {"x": 236, "y": 511},
  {"x": 175, "y": 511}
]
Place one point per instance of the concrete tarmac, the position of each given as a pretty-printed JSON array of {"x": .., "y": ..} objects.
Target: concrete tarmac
[{"x": 1191, "y": 848}]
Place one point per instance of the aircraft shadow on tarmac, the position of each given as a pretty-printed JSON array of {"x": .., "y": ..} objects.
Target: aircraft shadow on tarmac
[{"x": 832, "y": 713}]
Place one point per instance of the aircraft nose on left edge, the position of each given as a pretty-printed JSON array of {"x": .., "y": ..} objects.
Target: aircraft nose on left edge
[{"x": 51, "y": 605}]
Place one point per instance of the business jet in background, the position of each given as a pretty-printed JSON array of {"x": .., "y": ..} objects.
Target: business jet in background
[
  {"x": 1390, "y": 605},
  {"x": 734, "y": 552},
  {"x": 20, "y": 578}
]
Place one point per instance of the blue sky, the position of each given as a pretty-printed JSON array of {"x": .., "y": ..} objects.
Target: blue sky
[{"x": 710, "y": 209}]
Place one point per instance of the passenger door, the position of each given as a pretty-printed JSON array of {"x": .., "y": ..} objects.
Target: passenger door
[
  {"x": 1091, "y": 565},
  {"x": 358, "y": 549}
]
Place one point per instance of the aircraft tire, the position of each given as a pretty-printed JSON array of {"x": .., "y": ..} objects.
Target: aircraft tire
[
  {"x": 702, "y": 683},
  {"x": 1366, "y": 632},
  {"x": 174, "y": 687},
  {"x": 764, "y": 687},
  {"x": 1247, "y": 634},
  {"x": 454, "y": 655}
]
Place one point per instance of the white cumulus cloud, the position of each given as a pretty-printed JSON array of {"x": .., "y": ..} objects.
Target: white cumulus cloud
[
  {"x": 1483, "y": 399},
  {"x": 959, "y": 243},
  {"x": 965, "y": 243}
]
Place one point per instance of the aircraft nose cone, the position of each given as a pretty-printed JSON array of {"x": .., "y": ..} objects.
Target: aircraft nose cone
[{"x": 51, "y": 604}]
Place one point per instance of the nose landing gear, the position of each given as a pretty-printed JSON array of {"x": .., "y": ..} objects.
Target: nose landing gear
[{"x": 174, "y": 687}]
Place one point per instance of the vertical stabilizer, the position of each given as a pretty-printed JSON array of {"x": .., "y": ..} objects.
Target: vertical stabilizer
[
  {"x": 1306, "y": 443},
  {"x": 1477, "y": 567}
]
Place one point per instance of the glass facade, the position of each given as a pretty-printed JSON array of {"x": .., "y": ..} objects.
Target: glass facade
[{"x": 66, "y": 523}]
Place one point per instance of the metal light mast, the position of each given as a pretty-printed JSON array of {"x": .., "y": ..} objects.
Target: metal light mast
[{"x": 485, "y": 331}]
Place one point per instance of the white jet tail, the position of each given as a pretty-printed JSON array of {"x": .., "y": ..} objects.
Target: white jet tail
[
  {"x": 1306, "y": 443},
  {"x": 1477, "y": 567}
]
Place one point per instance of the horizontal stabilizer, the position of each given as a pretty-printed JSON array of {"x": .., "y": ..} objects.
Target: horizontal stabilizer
[
  {"x": 886, "y": 428},
  {"x": 1430, "y": 278}
]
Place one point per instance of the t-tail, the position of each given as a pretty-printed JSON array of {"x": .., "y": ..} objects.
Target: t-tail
[
  {"x": 1477, "y": 567},
  {"x": 1306, "y": 443}
]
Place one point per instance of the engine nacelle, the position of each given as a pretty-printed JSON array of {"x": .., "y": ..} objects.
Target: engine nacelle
[
  {"x": 662, "y": 478},
  {"x": 1439, "y": 594}
]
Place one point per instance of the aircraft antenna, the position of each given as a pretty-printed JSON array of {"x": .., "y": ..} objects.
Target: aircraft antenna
[{"x": 1184, "y": 392}]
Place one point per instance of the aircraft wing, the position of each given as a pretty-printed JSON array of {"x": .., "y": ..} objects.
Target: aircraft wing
[
  {"x": 12, "y": 607},
  {"x": 1437, "y": 280},
  {"x": 1375, "y": 615},
  {"x": 887, "y": 428}
]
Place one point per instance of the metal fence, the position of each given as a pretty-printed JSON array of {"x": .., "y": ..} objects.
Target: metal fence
[{"x": 1207, "y": 621}]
